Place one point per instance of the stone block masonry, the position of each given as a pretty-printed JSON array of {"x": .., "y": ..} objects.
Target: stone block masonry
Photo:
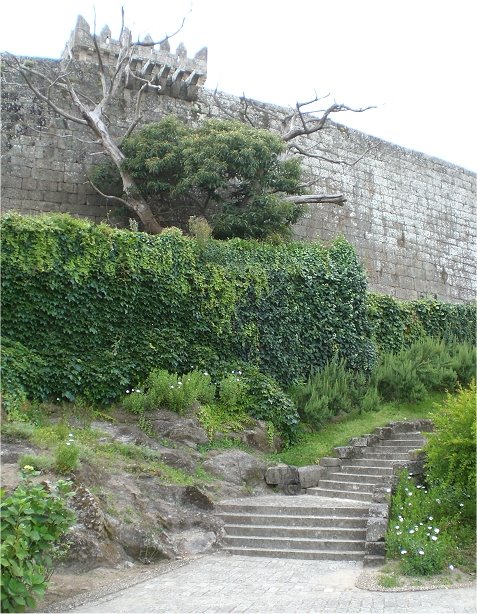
[{"x": 410, "y": 217}]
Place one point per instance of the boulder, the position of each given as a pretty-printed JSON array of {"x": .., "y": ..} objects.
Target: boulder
[{"x": 236, "y": 466}]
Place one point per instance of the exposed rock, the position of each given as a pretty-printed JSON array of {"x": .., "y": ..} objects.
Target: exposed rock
[
  {"x": 88, "y": 511},
  {"x": 236, "y": 466},
  {"x": 86, "y": 550},
  {"x": 196, "y": 497},
  {"x": 194, "y": 541},
  {"x": 257, "y": 437},
  {"x": 145, "y": 546}
]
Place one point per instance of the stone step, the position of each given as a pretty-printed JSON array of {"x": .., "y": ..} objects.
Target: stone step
[
  {"x": 391, "y": 449},
  {"x": 286, "y": 532},
  {"x": 396, "y": 456},
  {"x": 410, "y": 435},
  {"x": 372, "y": 462},
  {"x": 369, "y": 471},
  {"x": 317, "y": 511},
  {"x": 358, "y": 522},
  {"x": 330, "y": 484},
  {"x": 318, "y": 491},
  {"x": 290, "y": 543},
  {"x": 315, "y": 555},
  {"x": 402, "y": 443},
  {"x": 362, "y": 478}
]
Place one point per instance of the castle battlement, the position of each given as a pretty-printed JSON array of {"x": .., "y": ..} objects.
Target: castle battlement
[{"x": 178, "y": 75}]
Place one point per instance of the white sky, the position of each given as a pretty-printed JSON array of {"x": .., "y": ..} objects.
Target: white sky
[{"x": 415, "y": 59}]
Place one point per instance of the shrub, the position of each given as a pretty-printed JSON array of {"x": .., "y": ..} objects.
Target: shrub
[
  {"x": 38, "y": 462},
  {"x": 414, "y": 536},
  {"x": 33, "y": 519},
  {"x": 334, "y": 390},
  {"x": 177, "y": 393},
  {"x": 222, "y": 419},
  {"x": 66, "y": 457},
  {"x": 425, "y": 366},
  {"x": 267, "y": 401},
  {"x": 451, "y": 458}
]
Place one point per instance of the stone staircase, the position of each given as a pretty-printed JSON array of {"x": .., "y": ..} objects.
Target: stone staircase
[
  {"x": 342, "y": 517},
  {"x": 357, "y": 477}
]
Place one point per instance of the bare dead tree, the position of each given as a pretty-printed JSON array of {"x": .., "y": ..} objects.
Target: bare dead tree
[
  {"x": 81, "y": 109},
  {"x": 301, "y": 121}
]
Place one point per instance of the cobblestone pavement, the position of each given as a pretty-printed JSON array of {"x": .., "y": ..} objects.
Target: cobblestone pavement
[{"x": 224, "y": 583}]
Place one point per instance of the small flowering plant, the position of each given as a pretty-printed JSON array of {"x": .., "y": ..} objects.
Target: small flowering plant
[{"x": 413, "y": 536}]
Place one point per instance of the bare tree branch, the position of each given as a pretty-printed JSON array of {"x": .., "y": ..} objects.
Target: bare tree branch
[
  {"x": 332, "y": 199},
  {"x": 109, "y": 197},
  {"x": 304, "y": 152}
]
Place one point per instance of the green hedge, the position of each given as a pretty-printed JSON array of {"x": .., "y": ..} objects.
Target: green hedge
[
  {"x": 397, "y": 324},
  {"x": 99, "y": 308}
]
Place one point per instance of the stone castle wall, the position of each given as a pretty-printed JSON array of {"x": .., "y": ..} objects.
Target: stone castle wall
[{"x": 411, "y": 217}]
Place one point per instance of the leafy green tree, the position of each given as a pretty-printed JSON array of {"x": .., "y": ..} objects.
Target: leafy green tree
[{"x": 230, "y": 173}]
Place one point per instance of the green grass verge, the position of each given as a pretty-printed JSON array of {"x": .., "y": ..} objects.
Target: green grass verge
[{"x": 313, "y": 446}]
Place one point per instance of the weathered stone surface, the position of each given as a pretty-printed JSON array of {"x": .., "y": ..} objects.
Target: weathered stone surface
[
  {"x": 417, "y": 455},
  {"x": 375, "y": 548},
  {"x": 358, "y": 441},
  {"x": 346, "y": 452},
  {"x": 310, "y": 475},
  {"x": 379, "y": 510},
  {"x": 257, "y": 437},
  {"x": 193, "y": 495},
  {"x": 184, "y": 430},
  {"x": 376, "y": 529},
  {"x": 372, "y": 439},
  {"x": 406, "y": 249},
  {"x": 381, "y": 494},
  {"x": 276, "y": 474},
  {"x": 383, "y": 432},
  {"x": 236, "y": 466},
  {"x": 330, "y": 461}
]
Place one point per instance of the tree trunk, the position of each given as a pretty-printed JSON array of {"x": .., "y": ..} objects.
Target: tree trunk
[{"x": 133, "y": 198}]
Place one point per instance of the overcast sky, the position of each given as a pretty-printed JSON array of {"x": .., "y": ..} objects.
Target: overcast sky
[{"x": 414, "y": 59}]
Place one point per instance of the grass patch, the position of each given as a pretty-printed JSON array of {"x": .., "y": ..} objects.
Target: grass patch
[
  {"x": 313, "y": 446},
  {"x": 388, "y": 581}
]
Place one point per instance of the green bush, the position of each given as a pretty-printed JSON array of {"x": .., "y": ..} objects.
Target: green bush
[
  {"x": 170, "y": 390},
  {"x": 332, "y": 391},
  {"x": 33, "y": 519},
  {"x": 415, "y": 536},
  {"x": 427, "y": 365},
  {"x": 267, "y": 401},
  {"x": 451, "y": 449}
]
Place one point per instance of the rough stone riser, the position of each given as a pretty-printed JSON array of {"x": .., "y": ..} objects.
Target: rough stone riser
[
  {"x": 331, "y": 545},
  {"x": 294, "y": 521},
  {"x": 295, "y": 532},
  {"x": 300, "y": 554}
]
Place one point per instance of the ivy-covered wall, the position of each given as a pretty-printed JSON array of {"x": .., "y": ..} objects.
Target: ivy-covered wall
[
  {"x": 99, "y": 307},
  {"x": 396, "y": 324},
  {"x": 89, "y": 310}
]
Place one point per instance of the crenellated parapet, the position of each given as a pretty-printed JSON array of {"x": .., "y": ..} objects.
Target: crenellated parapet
[{"x": 177, "y": 74}]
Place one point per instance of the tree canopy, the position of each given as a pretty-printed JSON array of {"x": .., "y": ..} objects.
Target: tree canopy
[{"x": 230, "y": 173}]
